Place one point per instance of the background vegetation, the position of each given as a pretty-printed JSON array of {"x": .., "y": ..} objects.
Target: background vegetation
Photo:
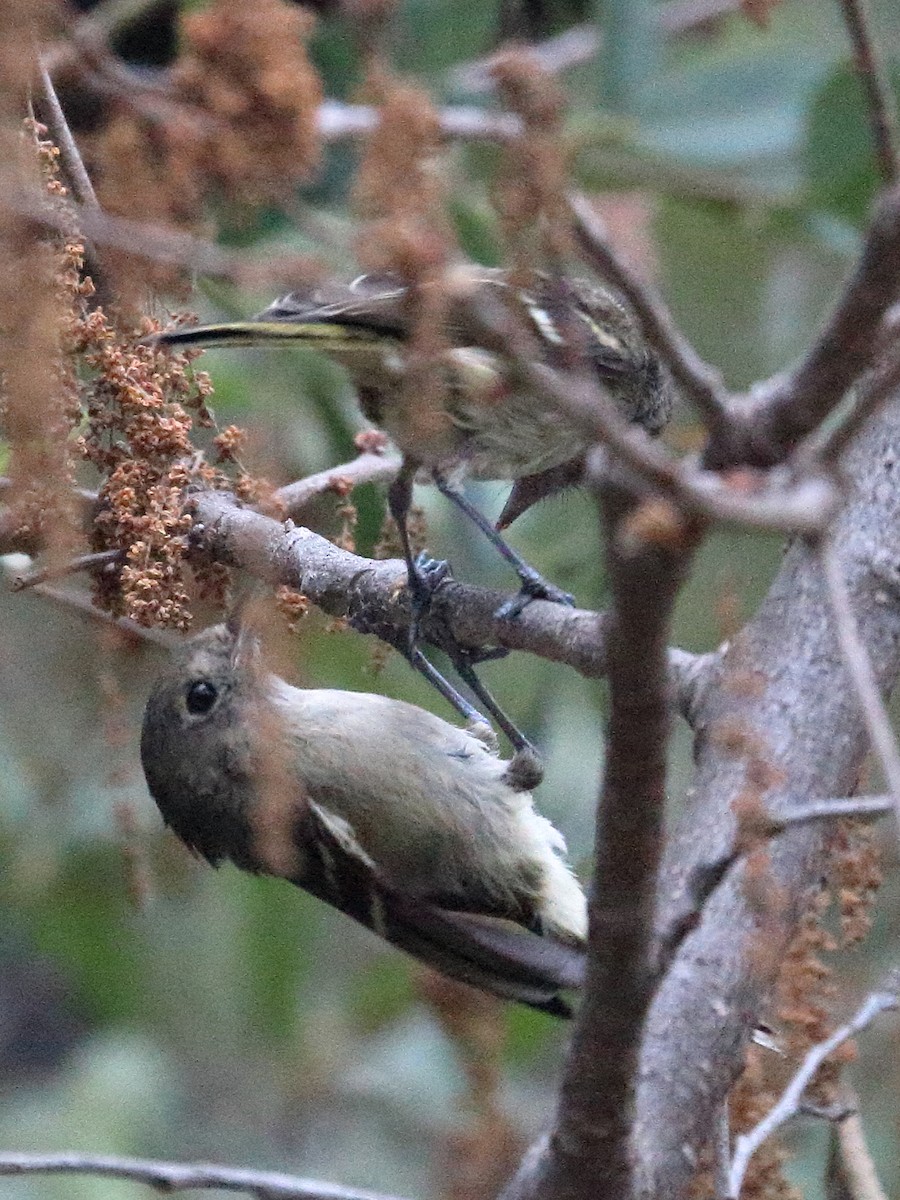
[{"x": 150, "y": 1006}]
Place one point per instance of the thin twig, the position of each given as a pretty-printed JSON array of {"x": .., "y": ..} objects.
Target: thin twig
[
  {"x": 581, "y": 43},
  {"x": 859, "y": 666},
  {"x": 180, "y": 1177},
  {"x": 806, "y": 506},
  {"x": 337, "y": 120},
  {"x": 722, "y": 1151},
  {"x": 875, "y": 82},
  {"x": 700, "y": 382},
  {"x": 783, "y": 410},
  {"x": 367, "y": 467},
  {"x": 854, "y": 1160},
  {"x": 883, "y": 1000},
  {"x": 706, "y": 877},
  {"x": 76, "y": 172},
  {"x": 159, "y": 243},
  {"x": 81, "y": 602},
  {"x": 867, "y": 808},
  {"x": 827, "y": 446},
  {"x": 803, "y": 507},
  {"x": 84, "y": 562}
]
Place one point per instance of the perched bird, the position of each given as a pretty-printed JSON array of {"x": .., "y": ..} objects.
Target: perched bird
[
  {"x": 491, "y": 427},
  {"x": 409, "y": 825}
]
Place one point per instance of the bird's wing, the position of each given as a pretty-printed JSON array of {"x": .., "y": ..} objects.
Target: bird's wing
[{"x": 494, "y": 955}]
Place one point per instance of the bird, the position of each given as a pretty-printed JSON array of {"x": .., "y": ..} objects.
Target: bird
[
  {"x": 411, "y": 826},
  {"x": 491, "y": 428}
]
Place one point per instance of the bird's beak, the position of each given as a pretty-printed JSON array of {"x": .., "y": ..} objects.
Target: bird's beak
[{"x": 245, "y": 646}]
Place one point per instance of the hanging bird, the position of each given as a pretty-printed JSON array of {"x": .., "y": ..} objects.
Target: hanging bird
[{"x": 411, "y": 826}]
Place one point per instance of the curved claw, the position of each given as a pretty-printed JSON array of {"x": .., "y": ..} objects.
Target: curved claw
[
  {"x": 425, "y": 577},
  {"x": 534, "y": 587}
]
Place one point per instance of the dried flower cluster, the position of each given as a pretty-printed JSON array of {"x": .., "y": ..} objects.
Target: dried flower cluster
[
  {"x": 40, "y": 286},
  {"x": 246, "y": 66},
  {"x": 400, "y": 191},
  {"x": 237, "y": 120},
  {"x": 530, "y": 192},
  {"x": 79, "y": 387},
  {"x": 138, "y": 438}
]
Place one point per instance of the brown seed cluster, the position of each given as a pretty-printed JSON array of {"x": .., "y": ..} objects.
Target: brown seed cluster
[
  {"x": 138, "y": 438},
  {"x": 246, "y": 66},
  {"x": 40, "y": 286},
  {"x": 236, "y": 121},
  {"x": 530, "y": 192},
  {"x": 400, "y": 191}
]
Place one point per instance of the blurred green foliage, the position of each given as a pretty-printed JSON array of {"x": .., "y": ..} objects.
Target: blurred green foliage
[{"x": 233, "y": 1019}]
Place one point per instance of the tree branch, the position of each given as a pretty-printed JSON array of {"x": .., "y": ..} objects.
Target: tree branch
[
  {"x": 700, "y": 382},
  {"x": 589, "y": 1153},
  {"x": 788, "y": 407},
  {"x": 788, "y": 1106},
  {"x": 181, "y": 1177},
  {"x": 859, "y": 667},
  {"x": 879, "y": 93},
  {"x": 760, "y": 739}
]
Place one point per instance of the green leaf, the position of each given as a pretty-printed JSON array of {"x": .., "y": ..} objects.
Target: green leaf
[{"x": 839, "y": 152}]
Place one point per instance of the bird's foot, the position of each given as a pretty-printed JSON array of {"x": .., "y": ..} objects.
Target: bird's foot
[
  {"x": 425, "y": 577},
  {"x": 534, "y": 587}
]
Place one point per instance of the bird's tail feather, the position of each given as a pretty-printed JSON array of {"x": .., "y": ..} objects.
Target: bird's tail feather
[{"x": 486, "y": 952}]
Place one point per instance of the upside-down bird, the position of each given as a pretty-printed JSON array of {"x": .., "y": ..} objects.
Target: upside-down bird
[{"x": 409, "y": 825}]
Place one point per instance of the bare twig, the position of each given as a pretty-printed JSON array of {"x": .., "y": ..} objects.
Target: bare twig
[
  {"x": 84, "y": 562},
  {"x": 581, "y": 43},
  {"x": 851, "y": 1159},
  {"x": 859, "y": 667},
  {"x": 156, "y": 242},
  {"x": 338, "y": 121},
  {"x": 367, "y": 467},
  {"x": 707, "y": 876},
  {"x": 874, "y": 390},
  {"x": 883, "y": 1000},
  {"x": 75, "y": 175},
  {"x": 700, "y": 382},
  {"x": 805, "y": 506},
  {"x": 879, "y": 94},
  {"x": 722, "y": 1150},
  {"x": 81, "y": 602},
  {"x": 181, "y": 1177},
  {"x": 867, "y": 808},
  {"x": 789, "y": 407},
  {"x": 76, "y": 172}
]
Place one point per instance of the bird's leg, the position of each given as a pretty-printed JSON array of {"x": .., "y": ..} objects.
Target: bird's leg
[
  {"x": 462, "y": 664},
  {"x": 534, "y": 586},
  {"x": 424, "y": 574},
  {"x": 466, "y": 710}
]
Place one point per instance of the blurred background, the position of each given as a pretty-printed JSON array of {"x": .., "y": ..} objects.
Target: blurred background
[{"x": 151, "y": 1006}]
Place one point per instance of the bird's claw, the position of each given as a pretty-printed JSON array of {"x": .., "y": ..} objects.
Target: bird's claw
[
  {"x": 534, "y": 587},
  {"x": 424, "y": 580}
]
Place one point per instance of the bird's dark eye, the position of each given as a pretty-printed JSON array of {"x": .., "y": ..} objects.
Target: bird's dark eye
[{"x": 201, "y": 696}]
